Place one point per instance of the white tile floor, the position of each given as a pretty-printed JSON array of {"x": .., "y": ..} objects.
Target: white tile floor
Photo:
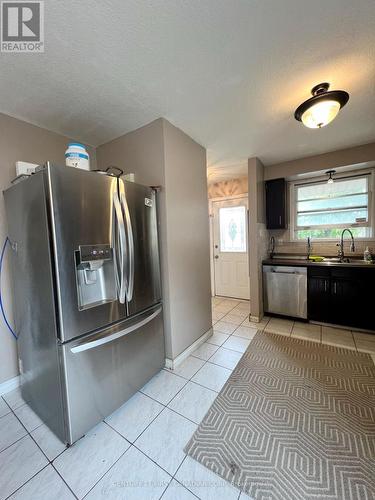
[
  {"x": 236, "y": 323},
  {"x": 137, "y": 452}
]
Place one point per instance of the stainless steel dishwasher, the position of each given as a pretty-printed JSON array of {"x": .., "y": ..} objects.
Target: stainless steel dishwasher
[{"x": 285, "y": 290}]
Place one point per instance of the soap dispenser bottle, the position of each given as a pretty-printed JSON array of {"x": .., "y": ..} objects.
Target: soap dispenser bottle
[{"x": 367, "y": 255}]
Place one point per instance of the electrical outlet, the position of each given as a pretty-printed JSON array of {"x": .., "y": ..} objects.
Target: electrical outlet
[{"x": 25, "y": 168}]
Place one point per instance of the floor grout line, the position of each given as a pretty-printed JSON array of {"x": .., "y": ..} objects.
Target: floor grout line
[
  {"x": 32, "y": 477},
  {"x": 175, "y": 474},
  {"x": 177, "y": 481},
  {"x": 170, "y": 371},
  {"x": 152, "y": 460},
  {"x": 184, "y": 379},
  {"x": 169, "y": 408},
  {"x": 196, "y": 383},
  {"x": 62, "y": 478},
  {"x": 14, "y": 442},
  {"x": 164, "y": 406},
  {"x": 8, "y": 405},
  {"x": 49, "y": 462},
  {"x": 133, "y": 445},
  {"x": 114, "y": 463},
  {"x": 5, "y": 414},
  {"x": 123, "y": 437}
]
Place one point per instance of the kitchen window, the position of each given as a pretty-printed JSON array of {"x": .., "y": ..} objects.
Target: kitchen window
[{"x": 322, "y": 210}]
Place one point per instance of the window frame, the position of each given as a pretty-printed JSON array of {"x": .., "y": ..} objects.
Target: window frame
[{"x": 369, "y": 173}]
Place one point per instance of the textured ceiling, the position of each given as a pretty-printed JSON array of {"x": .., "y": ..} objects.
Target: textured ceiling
[{"x": 228, "y": 72}]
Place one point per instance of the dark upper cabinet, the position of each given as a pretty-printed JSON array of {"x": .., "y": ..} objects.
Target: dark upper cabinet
[{"x": 276, "y": 204}]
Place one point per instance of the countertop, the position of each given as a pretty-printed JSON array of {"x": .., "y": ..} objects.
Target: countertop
[{"x": 303, "y": 262}]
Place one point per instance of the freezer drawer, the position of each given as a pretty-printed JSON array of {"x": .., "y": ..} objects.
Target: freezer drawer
[
  {"x": 103, "y": 370},
  {"x": 285, "y": 290}
]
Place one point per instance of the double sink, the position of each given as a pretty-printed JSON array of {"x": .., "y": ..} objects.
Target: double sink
[{"x": 346, "y": 262}]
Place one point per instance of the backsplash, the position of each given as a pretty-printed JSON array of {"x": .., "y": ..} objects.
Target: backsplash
[{"x": 328, "y": 249}]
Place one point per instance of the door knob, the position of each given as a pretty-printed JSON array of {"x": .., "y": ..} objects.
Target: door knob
[{"x": 216, "y": 256}]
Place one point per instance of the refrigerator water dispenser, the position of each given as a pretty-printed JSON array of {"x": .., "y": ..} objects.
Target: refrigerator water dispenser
[{"x": 95, "y": 275}]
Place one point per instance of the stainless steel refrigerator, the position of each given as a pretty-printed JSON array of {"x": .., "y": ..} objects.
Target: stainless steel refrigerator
[{"x": 87, "y": 293}]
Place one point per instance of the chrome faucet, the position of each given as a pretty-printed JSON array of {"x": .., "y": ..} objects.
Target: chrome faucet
[
  {"x": 309, "y": 247},
  {"x": 272, "y": 247},
  {"x": 340, "y": 252}
]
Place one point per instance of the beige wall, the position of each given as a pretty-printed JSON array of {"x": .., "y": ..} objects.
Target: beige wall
[
  {"x": 228, "y": 188},
  {"x": 326, "y": 161},
  {"x": 188, "y": 238},
  {"x": 356, "y": 156},
  {"x": 21, "y": 141},
  {"x": 140, "y": 151},
  {"x": 258, "y": 235},
  {"x": 161, "y": 154}
]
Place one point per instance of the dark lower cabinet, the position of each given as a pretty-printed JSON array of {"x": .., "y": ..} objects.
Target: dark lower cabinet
[
  {"x": 318, "y": 286},
  {"x": 346, "y": 304},
  {"x": 341, "y": 296}
]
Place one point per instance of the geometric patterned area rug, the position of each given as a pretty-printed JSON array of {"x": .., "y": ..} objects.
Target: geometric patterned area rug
[{"x": 295, "y": 421}]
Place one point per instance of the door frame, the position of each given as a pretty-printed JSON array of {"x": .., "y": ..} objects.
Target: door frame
[{"x": 211, "y": 221}]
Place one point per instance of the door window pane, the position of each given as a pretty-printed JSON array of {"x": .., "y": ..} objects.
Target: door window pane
[{"x": 232, "y": 222}]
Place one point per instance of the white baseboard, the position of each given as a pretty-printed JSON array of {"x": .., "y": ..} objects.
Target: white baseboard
[
  {"x": 255, "y": 319},
  {"x": 171, "y": 364},
  {"x": 9, "y": 385}
]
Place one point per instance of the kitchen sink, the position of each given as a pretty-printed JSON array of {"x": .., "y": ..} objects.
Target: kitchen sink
[
  {"x": 328, "y": 261},
  {"x": 346, "y": 262}
]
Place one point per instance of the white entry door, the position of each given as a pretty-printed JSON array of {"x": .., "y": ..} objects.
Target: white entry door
[{"x": 231, "y": 264}]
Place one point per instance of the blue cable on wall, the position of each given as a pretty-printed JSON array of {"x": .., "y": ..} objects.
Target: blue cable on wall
[{"x": 1, "y": 297}]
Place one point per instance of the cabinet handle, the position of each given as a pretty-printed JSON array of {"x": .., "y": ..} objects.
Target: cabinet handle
[
  {"x": 334, "y": 287},
  {"x": 325, "y": 285},
  {"x": 280, "y": 220}
]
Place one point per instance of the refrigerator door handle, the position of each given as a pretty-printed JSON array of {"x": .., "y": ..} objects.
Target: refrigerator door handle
[
  {"x": 118, "y": 243},
  {"x": 101, "y": 339},
  {"x": 129, "y": 294}
]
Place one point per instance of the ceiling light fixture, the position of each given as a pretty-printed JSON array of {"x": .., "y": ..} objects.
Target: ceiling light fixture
[
  {"x": 322, "y": 107},
  {"x": 330, "y": 174}
]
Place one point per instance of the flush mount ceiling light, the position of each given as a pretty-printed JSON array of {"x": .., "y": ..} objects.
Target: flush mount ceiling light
[
  {"x": 330, "y": 174},
  {"x": 322, "y": 107}
]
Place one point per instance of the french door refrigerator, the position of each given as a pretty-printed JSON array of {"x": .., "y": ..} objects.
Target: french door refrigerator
[{"x": 87, "y": 293}]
